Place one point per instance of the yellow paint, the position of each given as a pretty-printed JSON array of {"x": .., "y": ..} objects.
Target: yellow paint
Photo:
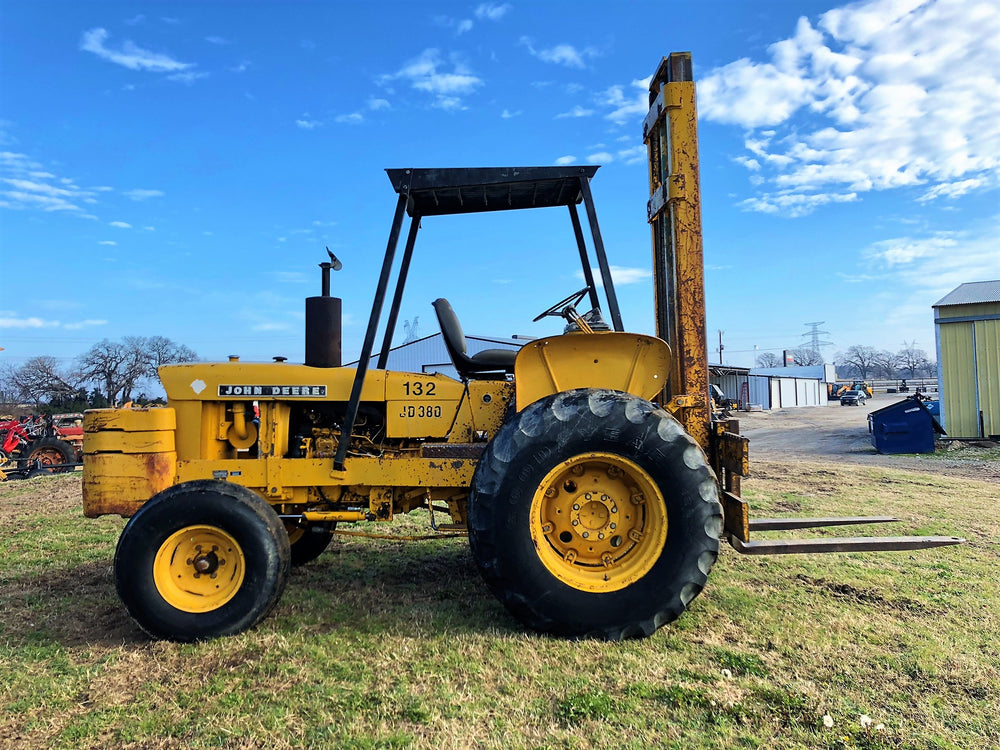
[
  {"x": 627, "y": 362},
  {"x": 128, "y": 457},
  {"x": 598, "y": 522},
  {"x": 129, "y": 420},
  {"x": 199, "y": 569}
]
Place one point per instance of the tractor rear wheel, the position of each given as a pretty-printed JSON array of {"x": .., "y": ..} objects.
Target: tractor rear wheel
[
  {"x": 45, "y": 452},
  {"x": 201, "y": 559},
  {"x": 593, "y": 513},
  {"x": 308, "y": 540}
]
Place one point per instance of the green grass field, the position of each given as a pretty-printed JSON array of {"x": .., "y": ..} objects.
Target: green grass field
[{"x": 383, "y": 644}]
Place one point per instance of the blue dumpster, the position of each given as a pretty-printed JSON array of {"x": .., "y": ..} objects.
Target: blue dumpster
[{"x": 903, "y": 427}]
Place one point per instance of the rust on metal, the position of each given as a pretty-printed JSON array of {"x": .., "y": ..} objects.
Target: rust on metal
[
  {"x": 784, "y": 524},
  {"x": 453, "y": 450},
  {"x": 736, "y": 515},
  {"x": 841, "y": 544}
]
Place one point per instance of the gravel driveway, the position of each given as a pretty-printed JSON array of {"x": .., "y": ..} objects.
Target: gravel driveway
[{"x": 840, "y": 433}]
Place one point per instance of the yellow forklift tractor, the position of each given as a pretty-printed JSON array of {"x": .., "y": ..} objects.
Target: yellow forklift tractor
[{"x": 587, "y": 468}]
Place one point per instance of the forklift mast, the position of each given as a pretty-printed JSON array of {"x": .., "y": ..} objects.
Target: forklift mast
[{"x": 670, "y": 131}]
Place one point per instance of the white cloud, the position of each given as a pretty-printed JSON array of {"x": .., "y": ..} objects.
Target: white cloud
[
  {"x": 140, "y": 195},
  {"x": 12, "y": 322},
  {"x": 120, "y": 224},
  {"x": 924, "y": 268},
  {"x": 952, "y": 189},
  {"x": 561, "y": 54},
  {"x": 107, "y": 242},
  {"x": 601, "y": 157},
  {"x": 622, "y": 275},
  {"x": 563, "y": 161},
  {"x": 507, "y": 114},
  {"x": 446, "y": 82},
  {"x": 492, "y": 11},
  {"x": 634, "y": 155},
  {"x": 876, "y": 95},
  {"x": 624, "y": 108},
  {"x": 458, "y": 25},
  {"x": 378, "y": 104},
  {"x": 307, "y": 123},
  {"x": 26, "y": 185},
  {"x": 577, "y": 111},
  {"x": 354, "y": 118},
  {"x": 793, "y": 204},
  {"x": 188, "y": 77},
  {"x": 130, "y": 55},
  {"x": 89, "y": 323}
]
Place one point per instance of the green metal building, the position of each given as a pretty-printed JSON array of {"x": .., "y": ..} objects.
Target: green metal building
[{"x": 967, "y": 331}]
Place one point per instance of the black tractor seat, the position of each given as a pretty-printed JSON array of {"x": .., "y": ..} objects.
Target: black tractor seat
[{"x": 487, "y": 364}]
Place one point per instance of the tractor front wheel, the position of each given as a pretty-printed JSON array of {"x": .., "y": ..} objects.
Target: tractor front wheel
[
  {"x": 593, "y": 513},
  {"x": 201, "y": 559}
]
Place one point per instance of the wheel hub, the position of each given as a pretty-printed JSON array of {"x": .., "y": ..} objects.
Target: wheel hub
[
  {"x": 198, "y": 568},
  {"x": 592, "y": 525}
]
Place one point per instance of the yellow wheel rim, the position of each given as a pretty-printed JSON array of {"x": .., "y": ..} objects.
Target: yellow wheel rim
[
  {"x": 598, "y": 522},
  {"x": 199, "y": 568}
]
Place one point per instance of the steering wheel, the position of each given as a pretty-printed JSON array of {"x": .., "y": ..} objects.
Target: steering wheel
[{"x": 571, "y": 301}]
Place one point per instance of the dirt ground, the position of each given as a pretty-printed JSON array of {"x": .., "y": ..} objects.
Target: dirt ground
[{"x": 840, "y": 433}]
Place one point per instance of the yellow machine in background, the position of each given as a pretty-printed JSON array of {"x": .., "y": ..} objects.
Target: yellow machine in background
[{"x": 588, "y": 469}]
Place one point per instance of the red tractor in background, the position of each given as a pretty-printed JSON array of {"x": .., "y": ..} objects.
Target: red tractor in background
[{"x": 40, "y": 445}]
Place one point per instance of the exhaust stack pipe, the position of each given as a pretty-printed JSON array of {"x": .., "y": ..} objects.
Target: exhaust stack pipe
[{"x": 323, "y": 322}]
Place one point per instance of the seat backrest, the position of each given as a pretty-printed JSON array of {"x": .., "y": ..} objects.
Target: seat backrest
[{"x": 454, "y": 338}]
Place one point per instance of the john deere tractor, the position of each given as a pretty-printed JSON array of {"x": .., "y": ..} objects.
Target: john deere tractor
[{"x": 587, "y": 469}]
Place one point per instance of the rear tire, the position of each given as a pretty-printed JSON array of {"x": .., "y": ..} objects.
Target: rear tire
[
  {"x": 308, "y": 541},
  {"x": 201, "y": 559},
  {"x": 616, "y": 467}
]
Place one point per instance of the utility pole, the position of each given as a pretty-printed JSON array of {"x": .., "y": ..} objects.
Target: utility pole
[{"x": 721, "y": 347}]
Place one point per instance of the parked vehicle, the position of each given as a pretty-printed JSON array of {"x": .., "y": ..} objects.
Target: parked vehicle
[{"x": 853, "y": 398}]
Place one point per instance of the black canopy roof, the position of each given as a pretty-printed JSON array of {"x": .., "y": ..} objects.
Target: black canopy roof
[{"x": 438, "y": 192}]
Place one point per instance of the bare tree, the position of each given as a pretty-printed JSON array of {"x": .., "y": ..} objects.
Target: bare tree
[
  {"x": 163, "y": 351},
  {"x": 768, "y": 359},
  {"x": 884, "y": 363},
  {"x": 861, "y": 359},
  {"x": 912, "y": 360},
  {"x": 119, "y": 366},
  {"x": 804, "y": 357},
  {"x": 39, "y": 380}
]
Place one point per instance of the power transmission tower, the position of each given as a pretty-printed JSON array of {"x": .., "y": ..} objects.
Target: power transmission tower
[{"x": 814, "y": 336}]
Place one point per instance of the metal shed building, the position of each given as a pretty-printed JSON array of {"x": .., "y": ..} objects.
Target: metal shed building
[{"x": 967, "y": 335}]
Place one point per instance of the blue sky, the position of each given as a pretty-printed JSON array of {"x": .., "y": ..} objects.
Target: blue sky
[{"x": 176, "y": 168}]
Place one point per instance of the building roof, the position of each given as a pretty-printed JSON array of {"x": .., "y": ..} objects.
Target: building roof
[
  {"x": 971, "y": 293},
  {"x": 721, "y": 370}
]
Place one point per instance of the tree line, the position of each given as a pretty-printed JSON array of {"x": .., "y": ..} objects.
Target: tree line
[
  {"x": 860, "y": 361},
  {"x": 107, "y": 374}
]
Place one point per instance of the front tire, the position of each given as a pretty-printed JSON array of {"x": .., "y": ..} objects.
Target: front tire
[
  {"x": 47, "y": 452},
  {"x": 200, "y": 560},
  {"x": 593, "y": 513}
]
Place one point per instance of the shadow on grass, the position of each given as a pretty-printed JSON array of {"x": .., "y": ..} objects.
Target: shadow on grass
[
  {"x": 355, "y": 588},
  {"x": 416, "y": 587}
]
